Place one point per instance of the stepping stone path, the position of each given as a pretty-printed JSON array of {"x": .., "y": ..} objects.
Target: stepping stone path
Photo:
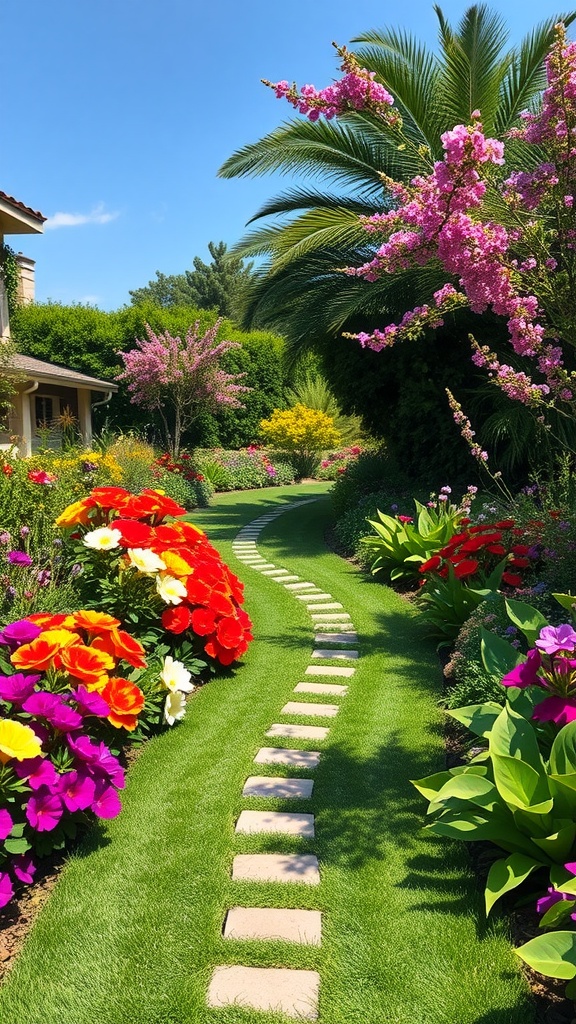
[{"x": 284, "y": 990}]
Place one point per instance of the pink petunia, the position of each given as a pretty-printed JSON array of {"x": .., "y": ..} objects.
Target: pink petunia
[
  {"x": 525, "y": 674},
  {"x": 77, "y": 790},
  {"x": 44, "y": 811},
  {"x": 106, "y": 802},
  {"x": 24, "y": 868},
  {"x": 6, "y": 889},
  {"x": 38, "y": 771},
  {"x": 6, "y": 825}
]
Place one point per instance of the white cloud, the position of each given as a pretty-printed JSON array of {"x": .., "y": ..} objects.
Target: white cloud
[{"x": 71, "y": 220}]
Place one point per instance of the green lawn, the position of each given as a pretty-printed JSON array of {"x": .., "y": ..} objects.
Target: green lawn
[{"x": 133, "y": 929}]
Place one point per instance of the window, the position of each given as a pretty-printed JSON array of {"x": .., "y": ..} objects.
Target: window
[{"x": 47, "y": 409}]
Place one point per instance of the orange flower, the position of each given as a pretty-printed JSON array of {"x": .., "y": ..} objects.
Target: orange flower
[
  {"x": 150, "y": 504},
  {"x": 121, "y": 645},
  {"x": 77, "y": 512},
  {"x": 94, "y": 622},
  {"x": 47, "y": 621},
  {"x": 125, "y": 701},
  {"x": 110, "y": 497},
  {"x": 190, "y": 532},
  {"x": 87, "y": 664},
  {"x": 169, "y": 533},
  {"x": 44, "y": 651}
]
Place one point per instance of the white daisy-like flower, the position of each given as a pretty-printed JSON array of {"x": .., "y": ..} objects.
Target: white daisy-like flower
[
  {"x": 176, "y": 676},
  {"x": 171, "y": 590},
  {"x": 174, "y": 707},
  {"x": 102, "y": 539},
  {"x": 145, "y": 560}
]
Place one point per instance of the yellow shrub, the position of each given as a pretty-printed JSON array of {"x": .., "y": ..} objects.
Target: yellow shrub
[{"x": 303, "y": 433}]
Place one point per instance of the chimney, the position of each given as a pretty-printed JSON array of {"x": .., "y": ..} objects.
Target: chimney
[{"x": 26, "y": 286}]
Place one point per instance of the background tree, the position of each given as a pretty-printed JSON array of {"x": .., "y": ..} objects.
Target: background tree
[
  {"x": 219, "y": 285},
  {"x": 179, "y": 379},
  {"x": 298, "y": 289}
]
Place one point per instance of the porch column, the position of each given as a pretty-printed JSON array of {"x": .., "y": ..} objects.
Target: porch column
[
  {"x": 27, "y": 423},
  {"x": 85, "y": 416}
]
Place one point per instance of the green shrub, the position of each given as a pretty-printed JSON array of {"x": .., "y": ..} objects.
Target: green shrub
[{"x": 373, "y": 471}]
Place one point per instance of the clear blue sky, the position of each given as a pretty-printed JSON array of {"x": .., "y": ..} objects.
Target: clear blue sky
[{"x": 116, "y": 115}]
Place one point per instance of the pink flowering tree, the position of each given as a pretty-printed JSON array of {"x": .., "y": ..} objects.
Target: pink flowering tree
[
  {"x": 505, "y": 242},
  {"x": 180, "y": 379}
]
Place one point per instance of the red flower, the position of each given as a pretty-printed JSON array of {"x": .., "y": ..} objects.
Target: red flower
[
  {"x": 229, "y": 633},
  {"x": 222, "y": 654},
  {"x": 467, "y": 567},
  {"x": 177, "y": 619},
  {"x": 520, "y": 563},
  {"x": 555, "y": 515},
  {"x": 132, "y": 533},
  {"x": 520, "y": 549},
  {"x": 110, "y": 497},
  {"x": 504, "y": 524},
  {"x": 7, "y": 469},
  {"x": 496, "y": 549},
  {"x": 203, "y": 621},
  {"x": 432, "y": 564},
  {"x": 40, "y": 476},
  {"x": 401, "y": 519},
  {"x": 512, "y": 579}
]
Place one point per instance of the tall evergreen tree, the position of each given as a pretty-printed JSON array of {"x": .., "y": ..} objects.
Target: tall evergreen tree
[{"x": 218, "y": 285}]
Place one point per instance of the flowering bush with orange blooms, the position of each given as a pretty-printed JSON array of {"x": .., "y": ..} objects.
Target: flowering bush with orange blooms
[
  {"x": 164, "y": 580},
  {"x": 73, "y": 689}
]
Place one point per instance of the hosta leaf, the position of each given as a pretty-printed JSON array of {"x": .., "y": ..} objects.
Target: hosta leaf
[
  {"x": 507, "y": 874},
  {"x": 567, "y": 601},
  {"x": 557, "y": 914},
  {"x": 553, "y": 954},
  {"x": 431, "y": 785},
  {"x": 479, "y": 718},
  {"x": 563, "y": 752},
  {"x": 498, "y": 655},
  {"x": 520, "y": 785},
  {"x": 529, "y": 620},
  {"x": 558, "y": 846}
]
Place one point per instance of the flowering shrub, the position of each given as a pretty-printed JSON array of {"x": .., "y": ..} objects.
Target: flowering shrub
[
  {"x": 165, "y": 580},
  {"x": 335, "y": 463},
  {"x": 401, "y": 545},
  {"x": 66, "y": 707},
  {"x": 244, "y": 469},
  {"x": 303, "y": 434}
]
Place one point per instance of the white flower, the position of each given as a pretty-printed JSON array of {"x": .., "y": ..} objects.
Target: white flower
[
  {"x": 176, "y": 676},
  {"x": 170, "y": 589},
  {"x": 174, "y": 708},
  {"x": 102, "y": 539},
  {"x": 145, "y": 560}
]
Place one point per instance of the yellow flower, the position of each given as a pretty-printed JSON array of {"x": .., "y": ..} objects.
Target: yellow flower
[
  {"x": 176, "y": 565},
  {"x": 17, "y": 741}
]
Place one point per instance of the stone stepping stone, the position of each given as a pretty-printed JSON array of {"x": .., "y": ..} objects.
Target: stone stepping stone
[
  {"x": 284, "y": 579},
  {"x": 336, "y": 655},
  {"x": 313, "y": 597},
  {"x": 330, "y": 689},
  {"x": 267, "y": 565},
  {"x": 316, "y": 607},
  {"x": 338, "y": 617},
  {"x": 251, "y": 559},
  {"x": 303, "y": 926},
  {"x": 294, "y": 758},
  {"x": 272, "y": 989},
  {"x": 288, "y": 823},
  {"x": 275, "y": 572},
  {"x": 329, "y": 670},
  {"x": 336, "y": 638},
  {"x": 276, "y": 867},
  {"x": 298, "y": 732},
  {"x": 280, "y": 789},
  {"x": 294, "y": 707},
  {"x": 299, "y": 586},
  {"x": 337, "y": 627}
]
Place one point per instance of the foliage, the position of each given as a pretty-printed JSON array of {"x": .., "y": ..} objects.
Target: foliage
[
  {"x": 244, "y": 469},
  {"x": 179, "y": 380},
  {"x": 401, "y": 546},
  {"x": 352, "y": 526},
  {"x": 88, "y": 339},
  {"x": 10, "y": 274},
  {"x": 371, "y": 472},
  {"x": 302, "y": 433},
  {"x": 219, "y": 285},
  {"x": 313, "y": 392},
  {"x": 335, "y": 463}
]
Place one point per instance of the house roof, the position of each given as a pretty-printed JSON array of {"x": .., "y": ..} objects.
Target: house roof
[
  {"x": 37, "y": 369},
  {"x": 18, "y": 219}
]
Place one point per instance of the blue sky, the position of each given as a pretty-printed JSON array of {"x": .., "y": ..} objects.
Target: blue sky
[{"x": 116, "y": 115}]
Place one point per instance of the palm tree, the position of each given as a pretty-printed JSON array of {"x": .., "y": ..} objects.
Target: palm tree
[
  {"x": 311, "y": 230},
  {"x": 298, "y": 288}
]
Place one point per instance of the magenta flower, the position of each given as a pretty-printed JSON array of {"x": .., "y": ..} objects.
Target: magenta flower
[
  {"x": 546, "y": 902},
  {"x": 553, "y": 639},
  {"x": 98, "y": 758},
  {"x": 17, "y": 633},
  {"x": 560, "y": 710},
  {"x": 77, "y": 790},
  {"x": 44, "y": 811},
  {"x": 17, "y": 688},
  {"x": 6, "y": 825},
  {"x": 51, "y": 706},
  {"x": 525, "y": 674},
  {"x": 38, "y": 771},
  {"x": 106, "y": 801},
  {"x": 6, "y": 889},
  {"x": 24, "y": 868},
  {"x": 91, "y": 703},
  {"x": 19, "y": 558}
]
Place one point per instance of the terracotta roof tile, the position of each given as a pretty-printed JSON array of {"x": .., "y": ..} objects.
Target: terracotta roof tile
[{"x": 22, "y": 206}]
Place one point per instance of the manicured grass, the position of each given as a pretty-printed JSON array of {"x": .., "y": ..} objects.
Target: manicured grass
[{"x": 133, "y": 929}]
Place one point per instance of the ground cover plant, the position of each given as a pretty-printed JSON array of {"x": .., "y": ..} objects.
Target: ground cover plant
[
  {"x": 255, "y": 466},
  {"x": 390, "y": 896}
]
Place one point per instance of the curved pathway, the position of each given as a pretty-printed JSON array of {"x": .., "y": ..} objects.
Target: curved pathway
[{"x": 292, "y": 992}]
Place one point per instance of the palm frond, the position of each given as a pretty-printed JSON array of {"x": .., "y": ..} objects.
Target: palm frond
[
  {"x": 526, "y": 74},
  {"x": 301, "y": 199}
]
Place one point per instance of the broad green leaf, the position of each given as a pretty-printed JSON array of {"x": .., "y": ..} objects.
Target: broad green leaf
[
  {"x": 507, "y": 874},
  {"x": 17, "y": 845},
  {"x": 520, "y": 785},
  {"x": 529, "y": 620},
  {"x": 512, "y": 736},
  {"x": 563, "y": 752},
  {"x": 553, "y": 954},
  {"x": 559, "y": 845},
  {"x": 468, "y": 789},
  {"x": 498, "y": 655},
  {"x": 431, "y": 785},
  {"x": 472, "y": 828},
  {"x": 557, "y": 913},
  {"x": 479, "y": 718},
  {"x": 567, "y": 601}
]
